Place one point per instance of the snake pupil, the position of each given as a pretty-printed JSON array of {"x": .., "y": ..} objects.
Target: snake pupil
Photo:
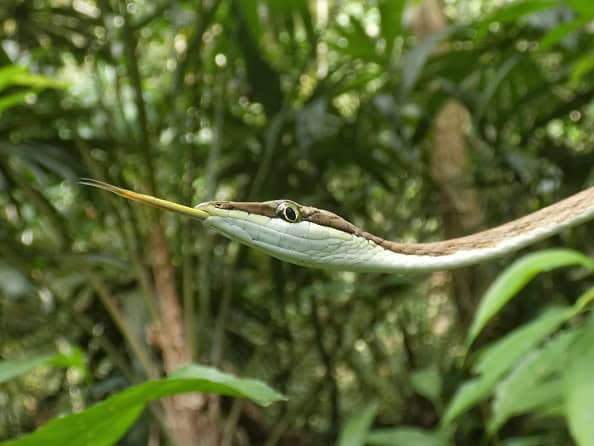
[{"x": 290, "y": 214}]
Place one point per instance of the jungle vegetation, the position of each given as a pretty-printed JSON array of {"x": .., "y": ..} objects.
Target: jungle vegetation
[{"x": 418, "y": 120}]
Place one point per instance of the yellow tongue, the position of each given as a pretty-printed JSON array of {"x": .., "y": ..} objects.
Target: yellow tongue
[{"x": 147, "y": 199}]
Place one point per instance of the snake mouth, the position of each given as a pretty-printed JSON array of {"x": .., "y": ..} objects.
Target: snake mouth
[
  {"x": 205, "y": 206},
  {"x": 221, "y": 209}
]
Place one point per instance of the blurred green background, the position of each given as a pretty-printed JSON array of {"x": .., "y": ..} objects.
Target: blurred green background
[{"x": 417, "y": 120}]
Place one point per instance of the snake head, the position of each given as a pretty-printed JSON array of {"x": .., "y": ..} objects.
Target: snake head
[{"x": 281, "y": 228}]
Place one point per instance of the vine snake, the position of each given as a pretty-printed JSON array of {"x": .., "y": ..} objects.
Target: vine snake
[{"x": 318, "y": 238}]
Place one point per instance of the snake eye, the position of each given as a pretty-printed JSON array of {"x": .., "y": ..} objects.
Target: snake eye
[{"x": 288, "y": 212}]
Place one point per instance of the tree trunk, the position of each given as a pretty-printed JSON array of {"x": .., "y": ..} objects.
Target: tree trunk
[
  {"x": 186, "y": 416},
  {"x": 449, "y": 168}
]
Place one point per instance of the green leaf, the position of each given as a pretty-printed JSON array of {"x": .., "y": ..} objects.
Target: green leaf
[
  {"x": 74, "y": 358},
  {"x": 16, "y": 75},
  {"x": 546, "y": 394},
  {"x": 579, "y": 386},
  {"x": 250, "y": 13},
  {"x": 582, "y": 7},
  {"x": 524, "y": 388},
  {"x": 513, "y": 11},
  {"x": 215, "y": 381},
  {"x": 12, "y": 100},
  {"x": 357, "y": 427},
  {"x": 403, "y": 436},
  {"x": 525, "y": 441},
  {"x": 8, "y": 73},
  {"x": 303, "y": 10},
  {"x": 499, "y": 357},
  {"x": 558, "y": 33},
  {"x": 583, "y": 301},
  {"x": 359, "y": 44},
  {"x": 391, "y": 20},
  {"x": 427, "y": 382},
  {"x": 104, "y": 423},
  {"x": 12, "y": 369},
  {"x": 582, "y": 67},
  {"x": 514, "y": 278},
  {"x": 467, "y": 396}
]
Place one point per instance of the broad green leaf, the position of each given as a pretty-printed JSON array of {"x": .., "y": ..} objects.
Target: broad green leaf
[
  {"x": 12, "y": 100},
  {"x": 12, "y": 369},
  {"x": 557, "y": 34},
  {"x": 73, "y": 358},
  {"x": 14, "y": 75},
  {"x": 427, "y": 382},
  {"x": 104, "y": 423},
  {"x": 583, "y": 66},
  {"x": 515, "y": 277},
  {"x": 583, "y": 301},
  {"x": 546, "y": 394},
  {"x": 215, "y": 381},
  {"x": 579, "y": 386},
  {"x": 250, "y": 13},
  {"x": 553, "y": 410},
  {"x": 499, "y": 357},
  {"x": 359, "y": 45},
  {"x": 513, "y": 11},
  {"x": 356, "y": 428},
  {"x": 525, "y": 387},
  {"x": 8, "y": 73},
  {"x": 306, "y": 17},
  {"x": 519, "y": 8},
  {"x": 525, "y": 441},
  {"x": 470, "y": 393},
  {"x": 583, "y": 7},
  {"x": 403, "y": 436},
  {"x": 391, "y": 20}
]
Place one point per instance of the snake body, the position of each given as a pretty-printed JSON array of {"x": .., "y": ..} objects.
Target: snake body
[{"x": 318, "y": 238}]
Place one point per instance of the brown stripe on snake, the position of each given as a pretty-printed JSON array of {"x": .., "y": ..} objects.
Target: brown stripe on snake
[
  {"x": 550, "y": 216},
  {"x": 266, "y": 208}
]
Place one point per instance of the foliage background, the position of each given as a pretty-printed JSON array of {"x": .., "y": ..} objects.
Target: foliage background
[{"x": 416, "y": 120}]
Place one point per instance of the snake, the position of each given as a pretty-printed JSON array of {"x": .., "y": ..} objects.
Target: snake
[{"x": 317, "y": 238}]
